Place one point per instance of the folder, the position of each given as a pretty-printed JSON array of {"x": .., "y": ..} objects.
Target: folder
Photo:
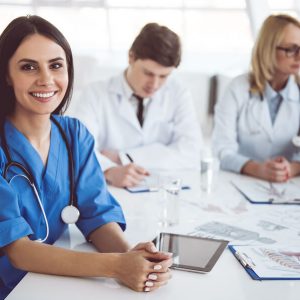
[
  {"x": 269, "y": 262},
  {"x": 258, "y": 191}
]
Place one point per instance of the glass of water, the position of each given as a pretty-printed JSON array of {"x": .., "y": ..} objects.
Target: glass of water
[
  {"x": 209, "y": 171},
  {"x": 169, "y": 194}
]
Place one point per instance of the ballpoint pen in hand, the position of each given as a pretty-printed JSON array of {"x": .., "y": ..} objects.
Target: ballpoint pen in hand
[{"x": 129, "y": 157}]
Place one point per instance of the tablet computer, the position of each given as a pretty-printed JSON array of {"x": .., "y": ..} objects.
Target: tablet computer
[{"x": 191, "y": 253}]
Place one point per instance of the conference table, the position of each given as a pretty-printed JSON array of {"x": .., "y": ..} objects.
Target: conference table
[{"x": 223, "y": 213}]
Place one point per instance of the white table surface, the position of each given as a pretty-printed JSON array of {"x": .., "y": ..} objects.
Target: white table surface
[{"x": 228, "y": 280}]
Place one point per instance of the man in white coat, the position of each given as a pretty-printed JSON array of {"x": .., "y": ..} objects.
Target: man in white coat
[{"x": 142, "y": 119}]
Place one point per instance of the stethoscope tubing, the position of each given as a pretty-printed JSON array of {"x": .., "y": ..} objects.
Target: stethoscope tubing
[
  {"x": 39, "y": 202},
  {"x": 72, "y": 207},
  {"x": 11, "y": 163}
]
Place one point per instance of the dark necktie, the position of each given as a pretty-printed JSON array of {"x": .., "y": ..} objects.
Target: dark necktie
[{"x": 140, "y": 110}]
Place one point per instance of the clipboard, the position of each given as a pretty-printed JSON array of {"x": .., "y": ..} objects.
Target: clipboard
[
  {"x": 252, "y": 264},
  {"x": 262, "y": 192}
]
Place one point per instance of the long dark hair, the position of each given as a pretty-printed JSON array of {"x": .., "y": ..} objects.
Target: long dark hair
[{"x": 10, "y": 40}]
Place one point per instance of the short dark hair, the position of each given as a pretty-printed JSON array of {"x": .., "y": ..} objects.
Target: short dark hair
[
  {"x": 157, "y": 43},
  {"x": 10, "y": 39}
]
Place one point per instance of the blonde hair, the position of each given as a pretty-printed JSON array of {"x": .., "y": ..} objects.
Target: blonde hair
[{"x": 263, "y": 60}]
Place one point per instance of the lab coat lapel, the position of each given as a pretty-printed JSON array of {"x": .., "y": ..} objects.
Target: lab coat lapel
[
  {"x": 261, "y": 115},
  {"x": 122, "y": 105},
  {"x": 127, "y": 113},
  {"x": 154, "y": 110},
  {"x": 288, "y": 113}
]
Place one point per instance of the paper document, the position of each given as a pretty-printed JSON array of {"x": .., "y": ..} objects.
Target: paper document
[
  {"x": 260, "y": 191},
  {"x": 272, "y": 262}
]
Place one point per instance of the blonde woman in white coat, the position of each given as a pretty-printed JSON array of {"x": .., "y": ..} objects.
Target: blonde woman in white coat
[{"x": 259, "y": 115}]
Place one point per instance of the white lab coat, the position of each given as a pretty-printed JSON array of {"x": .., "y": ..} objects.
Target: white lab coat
[
  {"x": 243, "y": 129},
  {"x": 169, "y": 139}
]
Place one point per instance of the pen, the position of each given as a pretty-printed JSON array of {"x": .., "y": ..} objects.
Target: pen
[
  {"x": 129, "y": 157},
  {"x": 242, "y": 260}
]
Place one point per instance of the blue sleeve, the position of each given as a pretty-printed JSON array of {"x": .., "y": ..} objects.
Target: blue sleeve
[
  {"x": 12, "y": 225},
  {"x": 97, "y": 206}
]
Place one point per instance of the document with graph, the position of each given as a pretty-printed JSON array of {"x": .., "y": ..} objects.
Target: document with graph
[
  {"x": 269, "y": 262},
  {"x": 263, "y": 192}
]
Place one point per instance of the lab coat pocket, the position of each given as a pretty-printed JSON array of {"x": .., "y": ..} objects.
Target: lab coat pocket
[
  {"x": 254, "y": 143},
  {"x": 164, "y": 132}
]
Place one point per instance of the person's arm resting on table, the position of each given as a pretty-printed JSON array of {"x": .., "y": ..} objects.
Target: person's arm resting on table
[{"x": 130, "y": 267}]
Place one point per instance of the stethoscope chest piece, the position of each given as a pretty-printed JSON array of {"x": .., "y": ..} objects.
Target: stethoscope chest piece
[
  {"x": 70, "y": 214},
  {"x": 296, "y": 141}
]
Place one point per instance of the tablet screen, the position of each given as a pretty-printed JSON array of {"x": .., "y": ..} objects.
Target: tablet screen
[{"x": 190, "y": 252}]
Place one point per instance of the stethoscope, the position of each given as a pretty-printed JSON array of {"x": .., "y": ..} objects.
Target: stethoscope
[
  {"x": 295, "y": 139},
  {"x": 70, "y": 213}
]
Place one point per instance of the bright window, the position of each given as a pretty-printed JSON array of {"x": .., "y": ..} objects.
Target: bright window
[{"x": 215, "y": 34}]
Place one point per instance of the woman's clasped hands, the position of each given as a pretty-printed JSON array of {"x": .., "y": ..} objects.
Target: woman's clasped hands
[
  {"x": 277, "y": 169},
  {"x": 144, "y": 268}
]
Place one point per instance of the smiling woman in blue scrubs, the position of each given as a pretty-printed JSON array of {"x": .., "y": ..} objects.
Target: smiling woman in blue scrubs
[{"x": 36, "y": 79}]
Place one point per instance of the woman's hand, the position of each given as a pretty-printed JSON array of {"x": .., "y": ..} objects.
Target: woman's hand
[
  {"x": 292, "y": 169},
  {"x": 276, "y": 170},
  {"x": 273, "y": 170},
  {"x": 148, "y": 246},
  {"x": 144, "y": 268}
]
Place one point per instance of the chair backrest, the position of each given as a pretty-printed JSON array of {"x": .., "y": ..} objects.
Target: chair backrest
[{"x": 218, "y": 85}]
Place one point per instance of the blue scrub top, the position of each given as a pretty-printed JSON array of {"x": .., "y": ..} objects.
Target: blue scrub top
[{"x": 20, "y": 214}]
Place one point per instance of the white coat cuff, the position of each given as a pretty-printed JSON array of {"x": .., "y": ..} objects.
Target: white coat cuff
[
  {"x": 104, "y": 162},
  {"x": 234, "y": 162}
]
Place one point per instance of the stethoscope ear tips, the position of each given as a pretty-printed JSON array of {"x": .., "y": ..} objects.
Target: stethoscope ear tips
[{"x": 296, "y": 141}]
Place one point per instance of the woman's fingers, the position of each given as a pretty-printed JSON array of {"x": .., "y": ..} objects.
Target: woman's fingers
[
  {"x": 156, "y": 280},
  {"x": 148, "y": 246},
  {"x": 277, "y": 170},
  {"x": 160, "y": 277},
  {"x": 138, "y": 272},
  {"x": 162, "y": 266}
]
